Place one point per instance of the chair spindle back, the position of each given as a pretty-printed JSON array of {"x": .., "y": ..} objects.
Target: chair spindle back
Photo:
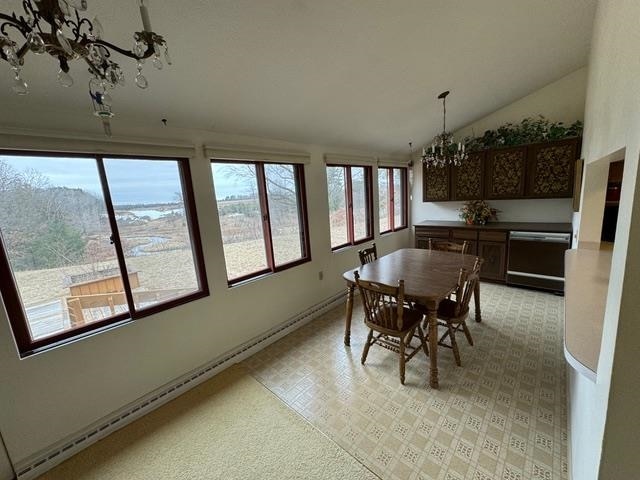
[
  {"x": 446, "y": 246},
  {"x": 467, "y": 281},
  {"x": 368, "y": 255},
  {"x": 383, "y": 304}
]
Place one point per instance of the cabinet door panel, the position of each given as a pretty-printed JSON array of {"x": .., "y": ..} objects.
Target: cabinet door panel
[
  {"x": 552, "y": 169},
  {"x": 494, "y": 255},
  {"x": 424, "y": 234},
  {"x": 505, "y": 173},
  {"x": 467, "y": 180},
  {"x": 436, "y": 184}
]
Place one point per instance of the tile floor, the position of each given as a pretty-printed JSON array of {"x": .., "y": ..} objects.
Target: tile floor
[{"x": 502, "y": 415}]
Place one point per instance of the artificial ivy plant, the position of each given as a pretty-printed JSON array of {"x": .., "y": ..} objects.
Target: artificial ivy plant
[{"x": 530, "y": 130}]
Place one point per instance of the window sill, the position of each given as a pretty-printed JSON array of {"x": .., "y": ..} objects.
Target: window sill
[
  {"x": 387, "y": 232},
  {"x": 69, "y": 337},
  {"x": 347, "y": 246},
  {"x": 265, "y": 274}
]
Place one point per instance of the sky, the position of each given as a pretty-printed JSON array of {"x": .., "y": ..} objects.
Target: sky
[{"x": 130, "y": 182}]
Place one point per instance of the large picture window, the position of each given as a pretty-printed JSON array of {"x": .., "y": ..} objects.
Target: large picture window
[
  {"x": 392, "y": 198},
  {"x": 350, "y": 218},
  {"x": 263, "y": 217},
  {"x": 90, "y": 241}
]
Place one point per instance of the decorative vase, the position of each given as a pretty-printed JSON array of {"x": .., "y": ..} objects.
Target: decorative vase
[{"x": 469, "y": 221}]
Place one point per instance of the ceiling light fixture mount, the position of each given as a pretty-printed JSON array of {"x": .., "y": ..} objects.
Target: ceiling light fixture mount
[
  {"x": 443, "y": 150},
  {"x": 55, "y": 27}
]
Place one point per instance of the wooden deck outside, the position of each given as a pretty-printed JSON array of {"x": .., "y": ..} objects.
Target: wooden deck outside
[{"x": 91, "y": 300}]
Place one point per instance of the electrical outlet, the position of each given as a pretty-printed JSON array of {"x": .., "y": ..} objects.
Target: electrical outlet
[{"x": 320, "y": 275}]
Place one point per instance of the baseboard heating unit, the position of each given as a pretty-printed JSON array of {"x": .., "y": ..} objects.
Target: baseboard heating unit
[{"x": 46, "y": 459}]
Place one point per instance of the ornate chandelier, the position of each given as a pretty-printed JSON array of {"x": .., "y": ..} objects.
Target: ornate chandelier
[
  {"x": 443, "y": 150},
  {"x": 55, "y": 27}
]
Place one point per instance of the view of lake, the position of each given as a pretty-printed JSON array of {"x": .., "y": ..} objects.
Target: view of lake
[{"x": 153, "y": 214}]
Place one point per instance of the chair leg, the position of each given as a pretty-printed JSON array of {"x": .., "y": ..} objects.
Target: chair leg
[
  {"x": 423, "y": 340},
  {"x": 367, "y": 344},
  {"x": 467, "y": 333},
  {"x": 454, "y": 345},
  {"x": 446, "y": 334},
  {"x": 402, "y": 360}
]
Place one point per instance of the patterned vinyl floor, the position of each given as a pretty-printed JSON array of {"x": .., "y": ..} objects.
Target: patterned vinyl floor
[{"x": 502, "y": 415}]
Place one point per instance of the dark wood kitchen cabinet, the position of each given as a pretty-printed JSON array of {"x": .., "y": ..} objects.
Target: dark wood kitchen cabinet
[
  {"x": 491, "y": 242},
  {"x": 492, "y": 247},
  {"x": 540, "y": 170},
  {"x": 460, "y": 235},
  {"x": 505, "y": 173},
  {"x": 423, "y": 235},
  {"x": 551, "y": 169},
  {"x": 467, "y": 180},
  {"x": 436, "y": 184}
]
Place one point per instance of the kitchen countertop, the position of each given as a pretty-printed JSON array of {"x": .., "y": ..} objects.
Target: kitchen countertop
[
  {"x": 516, "y": 226},
  {"x": 586, "y": 288}
]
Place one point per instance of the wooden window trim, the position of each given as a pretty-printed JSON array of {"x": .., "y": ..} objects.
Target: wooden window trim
[
  {"x": 368, "y": 182},
  {"x": 263, "y": 198},
  {"x": 11, "y": 297},
  {"x": 392, "y": 198}
]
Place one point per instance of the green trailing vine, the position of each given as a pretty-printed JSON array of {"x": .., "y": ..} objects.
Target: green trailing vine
[{"x": 530, "y": 130}]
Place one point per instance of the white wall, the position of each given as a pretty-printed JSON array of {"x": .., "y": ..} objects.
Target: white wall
[
  {"x": 6, "y": 472},
  {"x": 561, "y": 101},
  {"x": 47, "y": 397},
  {"x": 604, "y": 415}
]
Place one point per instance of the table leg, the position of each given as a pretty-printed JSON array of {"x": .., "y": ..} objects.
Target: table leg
[
  {"x": 432, "y": 318},
  {"x": 347, "y": 321},
  {"x": 476, "y": 298}
]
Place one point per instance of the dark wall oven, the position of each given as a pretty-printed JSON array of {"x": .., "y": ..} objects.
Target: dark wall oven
[{"x": 536, "y": 259}]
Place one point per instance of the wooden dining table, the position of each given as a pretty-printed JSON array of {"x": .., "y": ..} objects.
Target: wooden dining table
[{"x": 429, "y": 277}]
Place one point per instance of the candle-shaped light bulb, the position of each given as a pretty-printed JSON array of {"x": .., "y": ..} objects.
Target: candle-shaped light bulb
[
  {"x": 433, "y": 148},
  {"x": 144, "y": 13},
  {"x": 106, "y": 125}
]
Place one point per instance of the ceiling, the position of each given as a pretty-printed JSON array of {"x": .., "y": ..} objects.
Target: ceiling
[{"x": 353, "y": 73}]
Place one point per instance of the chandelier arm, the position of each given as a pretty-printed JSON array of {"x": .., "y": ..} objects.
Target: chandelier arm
[
  {"x": 82, "y": 21},
  {"x": 127, "y": 53},
  {"x": 19, "y": 24},
  {"x": 76, "y": 27}
]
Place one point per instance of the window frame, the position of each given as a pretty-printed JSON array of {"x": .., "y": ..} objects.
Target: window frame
[
  {"x": 263, "y": 201},
  {"x": 391, "y": 199},
  {"x": 368, "y": 182},
  {"x": 9, "y": 290}
]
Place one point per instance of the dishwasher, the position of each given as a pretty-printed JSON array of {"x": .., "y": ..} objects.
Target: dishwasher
[{"x": 536, "y": 259}]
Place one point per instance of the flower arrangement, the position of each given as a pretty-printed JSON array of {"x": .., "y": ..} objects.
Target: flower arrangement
[{"x": 477, "y": 212}]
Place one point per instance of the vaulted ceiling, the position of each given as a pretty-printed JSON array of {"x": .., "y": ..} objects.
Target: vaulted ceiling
[{"x": 356, "y": 73}]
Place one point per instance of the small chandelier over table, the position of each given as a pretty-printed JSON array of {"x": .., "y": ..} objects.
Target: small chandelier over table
[
  {"x": 443, "y": 150},
  {"x": 56, "y": 28}
]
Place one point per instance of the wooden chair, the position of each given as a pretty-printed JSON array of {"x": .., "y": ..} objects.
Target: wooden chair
[
  {"x": 368, "y": 255},
  {"x": 395, "y": 324},
  {"x": 453, "y": 314},
  {"x": 446, "y": 246}
]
